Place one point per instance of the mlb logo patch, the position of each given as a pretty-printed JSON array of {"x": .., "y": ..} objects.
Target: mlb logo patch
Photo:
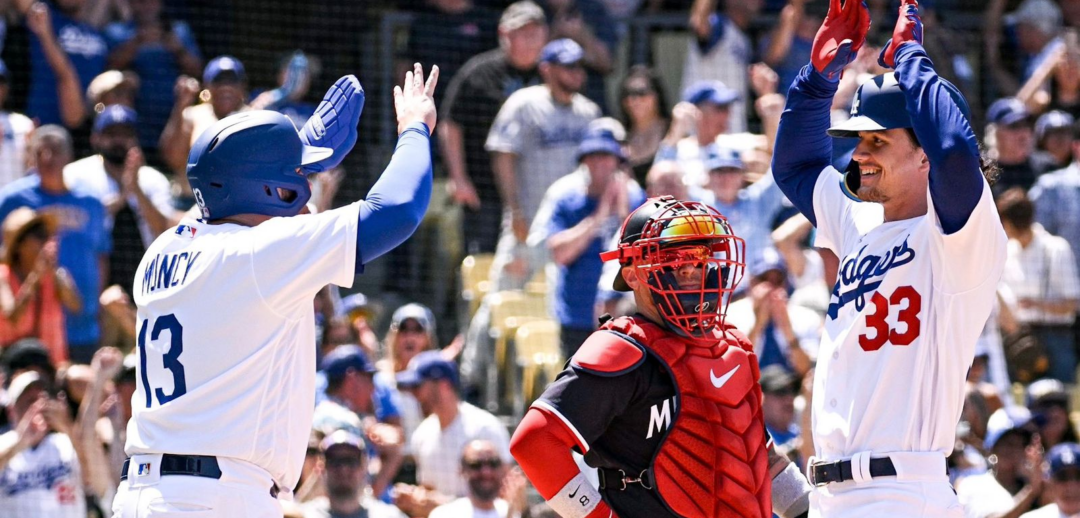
[
  {"x": 144, "y": 469},
  {"x": 185, "y": 229}
]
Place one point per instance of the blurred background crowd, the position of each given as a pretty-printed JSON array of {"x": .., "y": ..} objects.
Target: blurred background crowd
[{"x": 557, "y": 118}]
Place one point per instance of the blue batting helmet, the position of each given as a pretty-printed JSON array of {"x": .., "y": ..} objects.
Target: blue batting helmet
[
  {"x": 881, "y": 105},
  {"x": 249, "y": 163}
]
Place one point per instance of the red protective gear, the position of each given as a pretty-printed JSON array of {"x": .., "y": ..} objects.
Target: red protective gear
[
  {"x": 909, "y": 28},
  {"x": 541, "y": 445},
  {"x": 712, "y": 461},
  {"x": 840, "y": 37}
]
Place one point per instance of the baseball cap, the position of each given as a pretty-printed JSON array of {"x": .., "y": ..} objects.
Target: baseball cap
[
  {"x": 27, "y": 353},
  {"x": 714, "y": 92},
  {"x": 610, "y": 124},
  {"x": 114, "y": 114},
  {"x": 1062, "y": 456},
  {"x": 108, "y": 81},
  {"x": 520, "y": 14},
  {"x": 1005, "y": 420},
  {"x": 418, "y": 312},
  {"x": 354, "y": 304},
  {"x": 722, "y": 158},
  {"x": 342, "y": 438},
  {"x": 1047, "y": 391},
  {"x": 1006, "y": 111},
  {"x": 600, "y": 141},
  {"x": 767, "y": 260},
  {"x": 223, "y": 65},
  {"x": 563, "y": 52},
  {"x": 1051, "y": 121},
  {"x": 426, "y": 366},
  {"x": 777, "y": 379},
  {"x": 1044, "y": 15},
  {"x": 338, "y": 362},
  {"x": 23, "y": 381}
]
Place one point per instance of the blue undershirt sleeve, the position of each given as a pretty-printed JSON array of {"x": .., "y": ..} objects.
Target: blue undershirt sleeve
[
  {"x": 945, "y": 135},
  {"x": 803, "y": 148},
  {"x": 397, "y": 202}
]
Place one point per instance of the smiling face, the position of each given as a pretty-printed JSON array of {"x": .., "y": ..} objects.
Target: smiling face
[{"x": 893, "y": 171}]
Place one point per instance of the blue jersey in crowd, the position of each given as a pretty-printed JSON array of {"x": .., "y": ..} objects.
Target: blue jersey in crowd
[
  {"x": 157, "y": 69},
  {"x": 83, "y": 238},
  {"x": 576, "y": 283},
  {"x": 85, "y": 48}
]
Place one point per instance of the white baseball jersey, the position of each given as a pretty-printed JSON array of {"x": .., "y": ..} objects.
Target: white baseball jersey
[
  {"x": 226, "y": 337},
  {"x": 908, "y": 306},
  {"x": 43, "y": 481}
]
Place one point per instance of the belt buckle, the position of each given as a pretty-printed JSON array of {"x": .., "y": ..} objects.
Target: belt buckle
[
  {"x": 622, "y": 480},
  {"x": 823, "y": 466}
]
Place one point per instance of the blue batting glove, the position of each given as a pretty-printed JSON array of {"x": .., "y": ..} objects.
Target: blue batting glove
[{"x": 334, "y": 123}]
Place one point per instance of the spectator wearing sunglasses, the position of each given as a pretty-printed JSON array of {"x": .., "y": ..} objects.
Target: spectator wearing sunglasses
[
  {"x": 484, "y": 472},
  {"x": 346, "y": 482},
  {"x": 1064, "y": 483}
]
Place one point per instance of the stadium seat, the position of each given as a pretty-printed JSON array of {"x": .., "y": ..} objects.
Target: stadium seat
[
  {"x": 540, "y": 359},
  {"x": 475, "y": 270}
]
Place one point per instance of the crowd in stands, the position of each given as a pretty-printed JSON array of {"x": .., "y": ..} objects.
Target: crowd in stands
[{"x": 548, "y": 137}]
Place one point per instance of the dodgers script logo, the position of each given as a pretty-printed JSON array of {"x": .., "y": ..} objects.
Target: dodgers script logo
[{"x": 861, "y": 275}]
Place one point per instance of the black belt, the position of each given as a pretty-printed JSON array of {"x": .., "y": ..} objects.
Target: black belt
[
  {"x": 618, "y": 479},
  {"x": 190, "y": 465},
  {"x": 840, "y": 471}
]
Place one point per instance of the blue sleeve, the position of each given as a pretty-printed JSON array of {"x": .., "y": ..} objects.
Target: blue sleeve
[
  {"x": 803, "y": 148},
  {"x": 386, "y": 406},
  {"x": 956, "y": 181},
  {"x": 187, "y": 39},
  {"x": 397, "y": 202}
]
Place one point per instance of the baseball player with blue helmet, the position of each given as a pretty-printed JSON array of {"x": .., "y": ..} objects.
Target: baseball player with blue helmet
[
  {"x": 921, "y": 252},
  {"x": 226, "y": 332}
]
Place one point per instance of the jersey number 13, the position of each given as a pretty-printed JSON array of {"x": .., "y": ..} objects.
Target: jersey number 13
[
  {"x": 910, "y": 303},
  {"x": 171, "y": 359}
]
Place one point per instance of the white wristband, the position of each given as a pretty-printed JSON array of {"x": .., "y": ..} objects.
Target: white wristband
[
  {"x": 576, "y": 499},
  {"x": 790, "y": 492}
]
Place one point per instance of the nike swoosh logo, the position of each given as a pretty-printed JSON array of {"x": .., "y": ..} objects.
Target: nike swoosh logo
[
  {"x": 575, "y": 491},
  {"x": 719, "y": 382}
]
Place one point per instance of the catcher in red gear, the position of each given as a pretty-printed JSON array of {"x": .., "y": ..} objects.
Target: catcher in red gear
[{"x": 664, "y": 403}]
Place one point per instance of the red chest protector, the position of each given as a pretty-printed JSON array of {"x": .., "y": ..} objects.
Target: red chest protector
[{"x": 712, "y": 461}]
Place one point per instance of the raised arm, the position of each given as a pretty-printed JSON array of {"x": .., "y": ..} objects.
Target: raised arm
[
  {"x": 940, "y": 123},
  {"x": 397, "y": 202},
  {"x": 803, "y": 148}
]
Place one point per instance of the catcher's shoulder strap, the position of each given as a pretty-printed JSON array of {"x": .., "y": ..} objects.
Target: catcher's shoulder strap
[{"x": 609, "y": 353}]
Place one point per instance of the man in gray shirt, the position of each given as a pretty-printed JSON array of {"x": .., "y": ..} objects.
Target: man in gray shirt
[{"x": 533, "y": 143}]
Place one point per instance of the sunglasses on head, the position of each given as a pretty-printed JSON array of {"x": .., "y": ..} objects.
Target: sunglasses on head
[{"x": 476, "y": 465}]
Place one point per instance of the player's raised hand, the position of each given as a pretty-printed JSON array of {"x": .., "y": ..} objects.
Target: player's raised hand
[
  {"x": 333, "y": 125},
  {"x": 908, "y": 29},
  {"x": 840, "y": 37},
  {"x": 414, "y": 100}
]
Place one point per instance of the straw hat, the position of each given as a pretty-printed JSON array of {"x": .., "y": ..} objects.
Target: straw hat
[{"x": 17, "y": 224}]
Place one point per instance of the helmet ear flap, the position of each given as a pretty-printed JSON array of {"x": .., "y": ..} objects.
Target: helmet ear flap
[{"x": 851, "y": 181}]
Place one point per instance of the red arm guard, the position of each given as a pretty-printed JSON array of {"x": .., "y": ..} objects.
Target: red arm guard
[{"x": 541, "y": 445}]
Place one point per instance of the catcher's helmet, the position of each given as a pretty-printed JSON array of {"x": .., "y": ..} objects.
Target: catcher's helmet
[
  {"x": 880, "y": 105},
  {"x": 663, "y": 237},
  {"x": 249, "y": 163}
]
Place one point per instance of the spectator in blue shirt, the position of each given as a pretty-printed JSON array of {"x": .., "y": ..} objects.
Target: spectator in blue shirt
[
  {"x": 579, "y": 215},
  {"x": 750, "y": 209},
  {"x": 158, "y": 50},
  {"x": 65, "y": 55},
  {"x": 84, "y": 242},
  {"x": 1057, "y": 200}
]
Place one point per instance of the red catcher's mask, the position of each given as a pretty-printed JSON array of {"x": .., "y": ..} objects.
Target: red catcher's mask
[{"x": 688, "y": 256}]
